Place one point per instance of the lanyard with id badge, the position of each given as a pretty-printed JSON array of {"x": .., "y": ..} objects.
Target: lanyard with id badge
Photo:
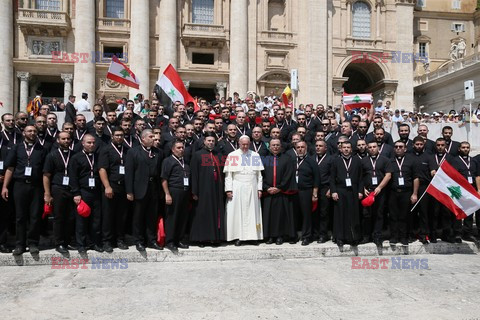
[
  {"x": 348, "y": 180},
  {"x": 185, "y": 176},
  {"x": 298, "y": 166},
  {"x": 401, "y": 180},
  {"x": 374, "y": 178},
  {"x": 467, "y": 164},
  {"x": 66, "y": 178},
  {"x": 28, "y": 168},
  {"x": 121, "y": 168},
  {"x": 91, "y": 180}
]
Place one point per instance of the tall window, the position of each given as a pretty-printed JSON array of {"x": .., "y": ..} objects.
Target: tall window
[
  {"x": 276, "y": 15},
  {"x": 203, "y": 11},
  {"x": 361, "y": 20},
  {"x": 115, "y": 9},
  {"x": 456, "y": 4},
  {"x": 50, "y": 5},
  {"x": 422, "y": 49}
]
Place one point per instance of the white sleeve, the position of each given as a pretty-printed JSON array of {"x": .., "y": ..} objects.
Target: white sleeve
[
  {"x": 259, "y": 181},
  {"x": 229, "y": 181}
]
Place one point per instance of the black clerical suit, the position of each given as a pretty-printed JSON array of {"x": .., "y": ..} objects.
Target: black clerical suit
[
  {"x": 177, "y": 174},
  {"x": 6, "y": 207},
  {"x": 307, "y": 178},
  {"x": 26, "y": 162},
  {"x": 403, "y": 176},
  {"x": 56, "y": 164},
  {"x": 260, "y": 148},
  {"x": 277, "y": 209},
  {"x": 418, "y": 220},
  {"x": 85, "y": 182},
  {"x": 321, "y": 216},
  {"x": 346, "y": 181},
  {"x": 208, "y": 217},
  {"x": 374, "y": 170},
  {"x": 114, "y": 215},
  {"x": 142, "y": 179}
]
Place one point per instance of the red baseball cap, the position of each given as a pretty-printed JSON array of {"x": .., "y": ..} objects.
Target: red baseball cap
[{"x": 83, "y": 209}]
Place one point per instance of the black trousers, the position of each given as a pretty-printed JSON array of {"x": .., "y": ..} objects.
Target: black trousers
[
  {"x": 114, "y": 215},
  {"x": 468, "y": 224},
  {"x": 399, "y": 211},
  {"x": 63, "y": 215},
  {"x": 176, "y": 215},
  {"x": 320, "y": 217},
  {"x": 304, "y": 206},
  {"x": 90, "y": 227},
  {"x": 6, "y": 216},
  {"x": 145, "y": 215},
  {"x": 28, "y": 199},
  {"x": 421, "y": 212},
  {"x": 373, "y": 217}
]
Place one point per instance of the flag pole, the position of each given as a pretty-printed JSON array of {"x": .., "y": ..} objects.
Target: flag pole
[
  {"x": 418, "y": 201},
  {"x": 439, "y": 166}
]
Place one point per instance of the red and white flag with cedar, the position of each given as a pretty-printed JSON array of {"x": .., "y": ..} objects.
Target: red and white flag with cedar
[
  {"x": 357, "y": 101},
  {"x": 120, "y": 73},
  {"x": 452, "y": 189}
]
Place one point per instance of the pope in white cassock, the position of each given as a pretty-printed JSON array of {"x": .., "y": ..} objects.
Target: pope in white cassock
[{"x": 243, "y": 185}]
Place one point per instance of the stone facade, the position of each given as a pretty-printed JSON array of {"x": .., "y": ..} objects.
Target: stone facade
[{"x": 219, "y": 46}]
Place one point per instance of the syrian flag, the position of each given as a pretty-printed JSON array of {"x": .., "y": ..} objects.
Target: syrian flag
[
  {"x": 173, "y": 87},
  {"x": 120, "y": 73},
  {"x": 357, "y": 101},
  {"x": 452, "y": 189}
]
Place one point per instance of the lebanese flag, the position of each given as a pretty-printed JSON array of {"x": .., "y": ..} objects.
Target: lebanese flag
[
  {"x": 452, "y": 189},
  {"x": 173, "y": 87},
  {"x": 357, "y": 101},
  {"x": 120, "y": 73}
]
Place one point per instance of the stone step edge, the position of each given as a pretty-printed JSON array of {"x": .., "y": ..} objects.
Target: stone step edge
[{"x": 262, "y": 252}]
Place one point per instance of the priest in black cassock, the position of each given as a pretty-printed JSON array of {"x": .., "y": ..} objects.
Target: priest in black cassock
[
  {"x": 346, "y": 187},
  {"x": 277, "y": 213},
  {"x": 208, "y": 220}
]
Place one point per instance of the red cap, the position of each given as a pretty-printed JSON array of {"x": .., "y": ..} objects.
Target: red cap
[
  {"x": 47, "y": 210},
  {"x": 83, "y": 209},
  {"x": 368, "y": 201}
]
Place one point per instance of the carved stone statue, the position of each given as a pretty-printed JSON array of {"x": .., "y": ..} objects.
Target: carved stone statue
[
  {"x": 38, "y": 47},
  {"x": 457, "y": 50}
]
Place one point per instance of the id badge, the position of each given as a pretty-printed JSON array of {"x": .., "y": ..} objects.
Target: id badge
[
  {"x": 66, "y": 181},
  {"x": 185, "y": 182},
  {"x": 121, "y": 170},
  {"x": 296, "y": 178},
  {"x": 28, "y": 171},
  {"x": 374, "y": 181},
  {"x": 348, "y": 182},
  {"x": 401, "y": 181},
  {"x": 470, "y": 180},
  {"x": 91, "y": 182},
  {"x": 1, "y": 165}
]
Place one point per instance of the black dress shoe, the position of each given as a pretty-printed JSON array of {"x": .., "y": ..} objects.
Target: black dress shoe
[
  {"x": 82, "y": 250},
  {"x": 97, "y": 248},
  {"x": 393, "y": 241},
  {"x": 107, "y": 248},
  {"x": 4, "y": 249},
  {"x": 172, "y": 247},
  {"x": 458, "y": 239},
  {"x": 238, "y": 243},
  {"x": 279, "y": 241},
  {"x": 121, "y": 245},
  {"x": 305, "y": 242},
  {"x": 404, "y": 242},
  {"x": 269, "y": 241},
  {"x": 321, "y": 240},
  {"x": 293, "y": 240},
  {"x": 378, "y": 242},
  {"x": 201, "y": 245},
  {"x": 365, "y": 240},
  {"x": 155, "y": 245},
  {"x": 340, "y": 243},
  {"x": 140, "y": 247},
  {"x": 433, "y": 239},
  {"x": 182, "y": 245},
  {"x": 33, "y": 249},
  {"x": 61, "y": 249},
  {"x": 19, "y": 251}
]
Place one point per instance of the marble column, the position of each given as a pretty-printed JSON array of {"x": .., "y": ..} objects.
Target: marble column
[
  {"x": 139, "y": 53},
  {"x": 67, "y": 85},
  {"x": 221, "y": 86},
  {"x": 168, "y": 34},
  {"x": 24, "y": 80},
  {"x": 6, "y": 56},
  {"x": 238, "y": 47},
  {"x": 84, "y": 70},
  {"x": 349, "y": 18}
]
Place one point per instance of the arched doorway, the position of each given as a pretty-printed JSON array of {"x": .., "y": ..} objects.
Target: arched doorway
[{"x": 362, "y": 77}]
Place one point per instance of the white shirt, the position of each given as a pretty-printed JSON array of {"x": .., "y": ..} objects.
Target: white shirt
[
  {"x": 397, "y": 119},
  {"x": 82, "y": 105}
]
